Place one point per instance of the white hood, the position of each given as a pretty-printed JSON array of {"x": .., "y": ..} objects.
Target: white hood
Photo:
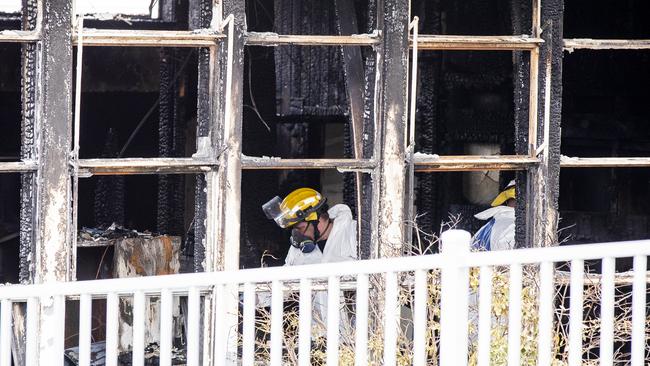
[
  {"x": 342, "y": 241},
  {"x": 503, "y": 230},
  {"x": 496, "y": 212}
]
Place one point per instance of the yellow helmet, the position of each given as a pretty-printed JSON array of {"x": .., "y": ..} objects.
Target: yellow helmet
[
  {"x": 506, "y": 194},
  {"x": 300, "y": 205}
]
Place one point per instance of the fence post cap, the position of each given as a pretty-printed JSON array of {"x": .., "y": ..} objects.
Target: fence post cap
[{"x": 455, "y": 241}]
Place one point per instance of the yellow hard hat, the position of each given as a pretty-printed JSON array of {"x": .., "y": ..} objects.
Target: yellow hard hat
[
  {"x": 505, "y": 195},
  {"x": 299, "y": 205}
]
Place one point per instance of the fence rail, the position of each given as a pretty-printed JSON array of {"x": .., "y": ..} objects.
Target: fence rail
[{"x": 386, "y": 311}]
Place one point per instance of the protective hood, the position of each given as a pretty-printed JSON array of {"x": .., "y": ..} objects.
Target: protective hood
[{"x": 496, "y": 212}]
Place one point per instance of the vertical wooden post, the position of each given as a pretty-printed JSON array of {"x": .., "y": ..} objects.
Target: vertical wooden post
[
  {"x": 55, "y": 130},
  {"x": 53, "y": 233},
  {"x": 545, "y": 179},
  {"x": 538, "y": 104},
  {"x": 394, "y": 111},
  {"x": 354, "y": 73},
  {"x": 228, "y": 179},
  {"x": 223, "y": 254},
  {"x": 200, "y": 16}
]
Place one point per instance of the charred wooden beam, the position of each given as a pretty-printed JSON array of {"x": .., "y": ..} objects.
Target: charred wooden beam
[
  {"x": 200, "y": 16},
  {"x": 354, "y": 73},
  {"x": 223, "y": 230},
  {"x": 574, "y": 162},
  {"x": 477, "y": 43},
  {"x": 224, "y": 255},
  {"x": 18, "y": 167},
  {"x": 144, "y": 166},
  {"x": 544, "y": 180},
  {"x": 605, "y": 44},
  {"x": 30, "y": 80},
  {"x": 392, "y": 169},
  {"x": 269, "y": 39},
  {"x": 423, "y": 163},
  {"x": 30, "y": 67},
  {"x": 522, "y": 22},
  {"x": 149, "y": 38},
  {"x": 432, "y": 163},
  {"x": 353, "y": 68},
  {"x": 251, "y": 163},
  {"x": 19, "y": 36},
  {"x": 368, "y": 213},
  {"x": 53, "y": 252},
  {"x": 167, "y": 116}
]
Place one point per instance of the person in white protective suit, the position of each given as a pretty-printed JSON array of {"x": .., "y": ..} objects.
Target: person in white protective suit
[
  {"x": 499, "y": 232},
  {"x": 318, "y": 234}
]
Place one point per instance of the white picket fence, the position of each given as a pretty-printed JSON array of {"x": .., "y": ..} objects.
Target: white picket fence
[{"x": 235, "y": 334}]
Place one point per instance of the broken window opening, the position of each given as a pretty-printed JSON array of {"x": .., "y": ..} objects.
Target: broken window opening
[
  {"x": 465, "y": 103},
  {"x": 10, "y": 103},
  {"x": 603, "y": 204},
  {"x": 310, "y": 96},
  {"x": 608, "y": 109},
  {"x": 132, "y": 210},
  {"x": 138, "y": 102}
]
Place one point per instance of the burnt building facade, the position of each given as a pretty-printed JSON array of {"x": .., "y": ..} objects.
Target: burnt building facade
[{"x": 183, "y": 120}]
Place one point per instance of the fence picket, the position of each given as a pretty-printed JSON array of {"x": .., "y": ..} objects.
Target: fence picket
[
  {"x": 639, "y": 296},
  {"x": 575, "y": 312}
]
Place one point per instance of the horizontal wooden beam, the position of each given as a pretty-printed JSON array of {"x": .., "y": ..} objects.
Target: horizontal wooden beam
[
  {"x": 573, "y": 162},
  {"x": 148, "y": 38},
  {"x": 606, "y": 44},
  {"x": 269, "y": 39},
  {"x": 251, "y": 163},
  {"x": 433, "y": 163},
  {"x": 595, "y": 279},
  {"x": 18, "y": 36},
  {"x": 144, "y": 166},
  {"x": 17, "y": 167},
  {"x": 476, "y": 43}
]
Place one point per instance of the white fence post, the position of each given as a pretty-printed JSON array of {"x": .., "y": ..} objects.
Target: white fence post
[
  {"x": 454, "y": 298},
  {"x": 52, "y": 325}
]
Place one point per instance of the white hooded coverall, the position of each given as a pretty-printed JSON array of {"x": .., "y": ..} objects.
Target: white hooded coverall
[
  {"x": 497, "y": 234},
  {"x": 341, "y": 246},
  {"x": 502, "y": 235}
]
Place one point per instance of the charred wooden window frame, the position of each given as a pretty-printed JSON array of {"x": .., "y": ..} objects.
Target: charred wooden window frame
[
  {"x": 537, "y": 180},
  {"x": 37, "y": 165},
  {"x": 215, "y": 67},
  {"x": 381, "y": 190},
  {"x": 364, "y": 161}
]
